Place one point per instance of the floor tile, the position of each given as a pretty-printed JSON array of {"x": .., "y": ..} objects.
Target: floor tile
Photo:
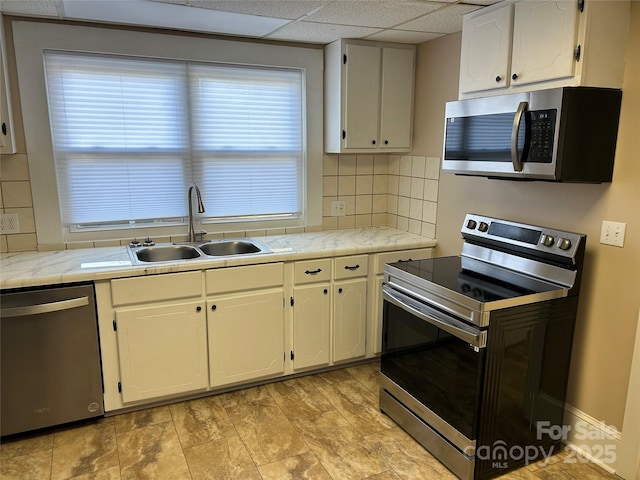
[
  {"x": 224, "y": 459},
  {"x": 26, "y": 444},
  {"x": 301, "y": 467},
  {"x": 244, "y": 396},
  {"x": 299, "y": 398},
  {"x": 265, "y": 431},
  {"x": 368, "y": 374},
  {"x": 353, "y": 400},
  {"x": 406, "y": 457},
  {"x": 108, "y": 474},
  {"x": 201, "y": 421},
  {"x": 339, "y": 447},
  {"x": 149, "y": 416},
  {"x": 152, "y": 452},
  {"x": 33, "y": 466},
  {"x": 84, "y": 450}
]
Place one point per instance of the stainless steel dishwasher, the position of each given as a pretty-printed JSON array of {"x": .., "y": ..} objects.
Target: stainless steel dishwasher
[{"x": 50, "y": 359}]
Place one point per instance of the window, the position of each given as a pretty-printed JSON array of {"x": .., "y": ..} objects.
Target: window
[{"x": 130, "y": 134}]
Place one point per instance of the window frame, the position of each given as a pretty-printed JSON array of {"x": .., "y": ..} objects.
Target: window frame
[{"x": 32, "y": 38}]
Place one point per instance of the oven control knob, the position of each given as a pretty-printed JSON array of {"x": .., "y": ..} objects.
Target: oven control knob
[
  {"x": 471, "y": 224},
  {"x": 564, "y": 244},
  {"x": 548, "y": 240},
  {"x": 483, "y": 227}
]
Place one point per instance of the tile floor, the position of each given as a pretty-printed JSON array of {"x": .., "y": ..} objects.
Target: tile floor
[{"x": 323, "y": 426}]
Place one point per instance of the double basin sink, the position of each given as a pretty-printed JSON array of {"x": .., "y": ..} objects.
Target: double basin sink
[{"x": 212, "y": 249}]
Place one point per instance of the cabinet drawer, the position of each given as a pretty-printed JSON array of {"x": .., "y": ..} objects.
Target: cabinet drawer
[
  {"x": 404, "y": 255},
  {"x": 310, "y": 271},
  {"x": 156, "y": 288},
  {"x": 351, "y": 267},
  {"x": 234, "y": 279}
]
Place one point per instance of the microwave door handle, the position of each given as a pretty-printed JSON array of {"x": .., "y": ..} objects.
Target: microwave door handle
[{"x": 517, "y": 163}]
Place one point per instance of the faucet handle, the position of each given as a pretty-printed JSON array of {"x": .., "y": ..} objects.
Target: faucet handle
[{"x": 199, "y": 236}]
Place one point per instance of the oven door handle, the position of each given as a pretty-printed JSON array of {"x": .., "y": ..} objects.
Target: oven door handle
[{"x": 475, "y": 337}]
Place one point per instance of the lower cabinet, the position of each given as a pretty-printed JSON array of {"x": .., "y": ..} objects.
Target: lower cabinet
[
  {"x": 180, "y": 334},
  {"x": 246, "y": 337},
  {"x": 311, "y": 323},
  {"x": 349, "y": 319},
  {"x": 162, "y": 350},
  {"x": 245, "y": 314}
]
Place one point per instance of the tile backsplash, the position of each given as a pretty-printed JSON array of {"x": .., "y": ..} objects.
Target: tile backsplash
[
  {"x": 396, "y": 190},
  {"x": 15, "y": 197}
]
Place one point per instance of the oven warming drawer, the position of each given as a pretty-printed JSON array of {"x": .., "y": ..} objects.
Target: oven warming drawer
[{"x": 460, "y": 464}]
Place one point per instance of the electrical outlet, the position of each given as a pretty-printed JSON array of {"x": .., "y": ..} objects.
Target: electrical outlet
[
  {"x": 9, "y": 223},
  {"x": 613, "y": 233},
  {"x": 338, "y": 208}
]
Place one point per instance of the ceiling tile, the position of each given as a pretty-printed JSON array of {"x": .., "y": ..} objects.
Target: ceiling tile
[
  {"x": 403, "y": 36},
  {"x": 319, "y": 32},
  {"x": 291, "y": 9},
  {"x": 29, "y": 7},
  {"x": 446, "y": 20},
  {"x": 141, "y": 12},
  {"x": 372, "y": 13}
]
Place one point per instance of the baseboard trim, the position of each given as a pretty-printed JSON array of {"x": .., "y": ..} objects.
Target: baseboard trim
[{"x": 591, "y": 439}]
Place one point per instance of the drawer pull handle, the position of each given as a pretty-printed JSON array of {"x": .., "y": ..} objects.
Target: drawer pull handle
[
  {"x": 355, "y": 267},
  {"x": 313, "y": 272},
  {"x": 407, "y": 260}
]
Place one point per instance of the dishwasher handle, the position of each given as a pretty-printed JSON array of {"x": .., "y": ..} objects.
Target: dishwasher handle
[{"x": 44, "y": 307}]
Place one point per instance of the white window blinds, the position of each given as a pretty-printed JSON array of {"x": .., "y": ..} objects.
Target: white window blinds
[
  {"x": 247, "y": 140},
  {"x": 131, "y": 134}
]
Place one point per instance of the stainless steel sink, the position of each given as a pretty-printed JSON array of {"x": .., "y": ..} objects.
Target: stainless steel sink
[
  {"x": 229, "y": 247},
  {"x": 179, "y": 252},
  {"x": 165, "y": 253}
]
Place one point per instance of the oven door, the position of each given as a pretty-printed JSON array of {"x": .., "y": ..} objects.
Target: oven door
[{"x": 433, "y": 363}]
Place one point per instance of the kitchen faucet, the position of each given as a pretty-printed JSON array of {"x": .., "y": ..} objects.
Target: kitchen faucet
[{"x": 191, "y": 235}]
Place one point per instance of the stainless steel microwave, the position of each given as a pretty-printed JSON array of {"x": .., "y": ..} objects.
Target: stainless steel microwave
[{"x": 563, "y": 134}]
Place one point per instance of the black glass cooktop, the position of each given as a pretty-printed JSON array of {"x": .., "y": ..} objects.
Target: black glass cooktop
[{"x": 447, "y": 272}]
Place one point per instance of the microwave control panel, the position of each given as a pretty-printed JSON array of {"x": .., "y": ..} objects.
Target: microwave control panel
[{"x": 543, "y": 126}]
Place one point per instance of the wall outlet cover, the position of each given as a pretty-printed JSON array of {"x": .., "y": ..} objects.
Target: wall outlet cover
[{"x": 9, "y": 223}]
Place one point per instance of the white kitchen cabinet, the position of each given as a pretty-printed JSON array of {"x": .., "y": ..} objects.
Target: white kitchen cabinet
[
  {"x": 245, "y": 313},
  {"x": 311, "y": 304},
  {"x": 329, "y": 310},
  {"x": 377, "y": 262},
  {"x": 537, "y": 44},
  {"x": 7, "y": 143},
  {"x": 350, "y": 307},
  {"x": 162, "y": 350},
  {"x": 368, "y": 96},
  {"x": 349, "y": 320}
]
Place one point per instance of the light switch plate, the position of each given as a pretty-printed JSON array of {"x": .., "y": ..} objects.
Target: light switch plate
[{"x": 613, "y": 233}]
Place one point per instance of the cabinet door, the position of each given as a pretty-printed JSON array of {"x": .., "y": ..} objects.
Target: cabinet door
[
  {"x": 311, "y": 322},
  {"x": 486, "y": 50},
  {"x": 396, "y": 98},
  {"x": 544, "y": 35},
  {"x": 362, "y": 96},
  {"x": 162, "y": 350},
  {"x": 349, "y": 319},
  {"x": 246, "y": 337},
  {"x": 7, "y": 144}
]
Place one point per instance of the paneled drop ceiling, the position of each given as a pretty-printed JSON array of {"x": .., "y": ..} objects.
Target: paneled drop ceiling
[{"x": 308, "y": 21}]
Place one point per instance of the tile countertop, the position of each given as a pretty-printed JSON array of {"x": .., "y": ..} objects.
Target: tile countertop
[{"x": 25, "y": 269}]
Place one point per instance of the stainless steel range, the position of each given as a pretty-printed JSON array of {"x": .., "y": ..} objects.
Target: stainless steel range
[{"x": 476, "y": 347}]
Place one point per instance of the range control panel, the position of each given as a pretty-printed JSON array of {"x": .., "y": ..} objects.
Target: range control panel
[{"x": 535, "y": 238}]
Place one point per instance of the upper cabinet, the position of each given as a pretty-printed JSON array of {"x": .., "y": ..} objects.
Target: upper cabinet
[
  {"x": 7, "y": 144},
  {"x": 535, "y": 44},
  {"x": 368, "y": 97}
]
